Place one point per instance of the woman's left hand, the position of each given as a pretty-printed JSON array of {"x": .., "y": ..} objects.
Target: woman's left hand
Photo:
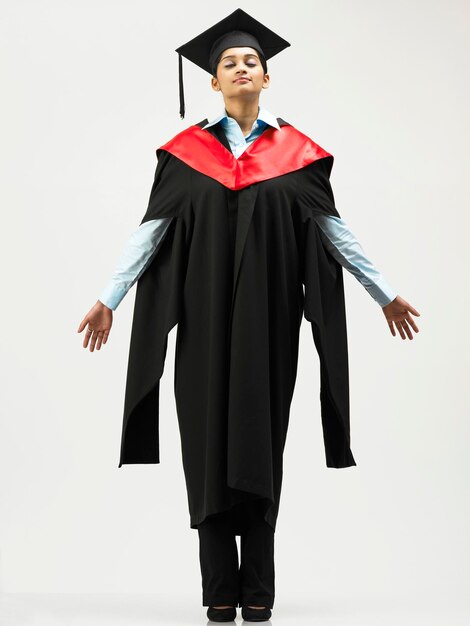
[{"x": 398, "y": 312}]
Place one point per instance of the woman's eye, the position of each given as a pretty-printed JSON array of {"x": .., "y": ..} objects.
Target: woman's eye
[{"x": 249, "y": 65}]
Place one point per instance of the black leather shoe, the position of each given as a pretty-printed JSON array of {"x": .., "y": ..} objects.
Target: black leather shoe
[
  {"x": 222, "y": 615},
  {"x": 256, "y": 615}
]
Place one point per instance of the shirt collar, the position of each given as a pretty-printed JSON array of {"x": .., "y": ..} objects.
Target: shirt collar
[{"x": 263, "y": 115}]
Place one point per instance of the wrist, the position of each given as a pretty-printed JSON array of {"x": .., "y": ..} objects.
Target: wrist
[{"x": 102, "y": 305}]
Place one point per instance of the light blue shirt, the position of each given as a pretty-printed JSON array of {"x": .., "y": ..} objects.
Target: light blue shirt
[{"x": 144, "y": 242}]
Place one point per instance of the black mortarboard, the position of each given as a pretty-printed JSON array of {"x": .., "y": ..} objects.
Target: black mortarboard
[{"x": 237, "y": 29}]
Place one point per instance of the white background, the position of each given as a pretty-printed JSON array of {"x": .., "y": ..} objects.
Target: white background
[{"x": 89, "y": 91}]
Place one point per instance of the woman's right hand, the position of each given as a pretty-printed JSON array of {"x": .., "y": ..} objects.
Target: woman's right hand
[{"x": 99, "y": 319}]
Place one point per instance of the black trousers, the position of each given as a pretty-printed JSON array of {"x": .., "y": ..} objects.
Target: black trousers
[{"x": 224, "y": 580}]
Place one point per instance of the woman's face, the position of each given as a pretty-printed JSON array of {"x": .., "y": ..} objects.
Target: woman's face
[{"x": 240, "y": 63}]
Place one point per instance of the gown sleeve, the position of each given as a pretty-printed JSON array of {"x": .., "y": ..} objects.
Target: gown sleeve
[
  {"x": 157, "y": 309},
  {"x": 170, "y": 188},
  {"x": 324, "y": 307},
  {"x": 314, "y": 192}
]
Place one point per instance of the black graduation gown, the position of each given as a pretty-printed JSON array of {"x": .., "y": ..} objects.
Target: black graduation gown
[{"x": 235, "y": 272}]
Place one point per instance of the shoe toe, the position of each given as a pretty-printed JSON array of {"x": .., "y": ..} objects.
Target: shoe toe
[
  {"x": 222, "y": 615},
  {"x": 255, "y": 615}
]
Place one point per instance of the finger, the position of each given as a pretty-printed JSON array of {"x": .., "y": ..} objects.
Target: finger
[
  {"x": 87, "y": 337},
  {"x": 412, "y": 309},
  {"x": 412, "y": 323},
  {"x": 100, "y": 339},
  {"x": 400, "y": 329},
  {"x": 83, "y": 323},
  {"x": 93, "y": 341},
  {"x": 407, "y": 329},
  {"x": 105, "y": 336},
  {"x": 392, "y": 329}
]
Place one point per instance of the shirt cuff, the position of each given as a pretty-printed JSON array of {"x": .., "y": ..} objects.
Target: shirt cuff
[
  {"x": 381, "y": 291},
  {"x": 112, "y": 295}
]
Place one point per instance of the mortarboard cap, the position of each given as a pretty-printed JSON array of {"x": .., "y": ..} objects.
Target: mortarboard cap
[{"x": 237, "y": 29}]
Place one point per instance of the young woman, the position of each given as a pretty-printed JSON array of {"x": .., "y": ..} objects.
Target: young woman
[{"x": 241, "y": 238}]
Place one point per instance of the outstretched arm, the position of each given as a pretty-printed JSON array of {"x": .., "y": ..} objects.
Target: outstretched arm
[
  {"x": 135, "y": 258},
  {"x": 344, "y": 247}
]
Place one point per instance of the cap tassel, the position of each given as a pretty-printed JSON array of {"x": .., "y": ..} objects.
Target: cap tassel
[{"x": 180, "y": 67}]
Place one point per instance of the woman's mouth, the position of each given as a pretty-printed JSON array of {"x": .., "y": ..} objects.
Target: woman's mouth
[{"x": 241, "y": 80}]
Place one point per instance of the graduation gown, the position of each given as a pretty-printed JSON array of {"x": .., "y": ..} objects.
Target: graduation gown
[{"x": 241, "y": 263}]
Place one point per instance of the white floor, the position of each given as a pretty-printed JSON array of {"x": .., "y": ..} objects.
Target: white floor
[{"x": 143, "y": 609}]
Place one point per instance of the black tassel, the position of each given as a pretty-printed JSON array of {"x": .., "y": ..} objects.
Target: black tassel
[{"x": 180, "y": 68}]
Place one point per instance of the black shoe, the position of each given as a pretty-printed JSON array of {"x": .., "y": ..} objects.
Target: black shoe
[
  {"x": 256, "y": 615},
  {"x": 222, "y": 615}
]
